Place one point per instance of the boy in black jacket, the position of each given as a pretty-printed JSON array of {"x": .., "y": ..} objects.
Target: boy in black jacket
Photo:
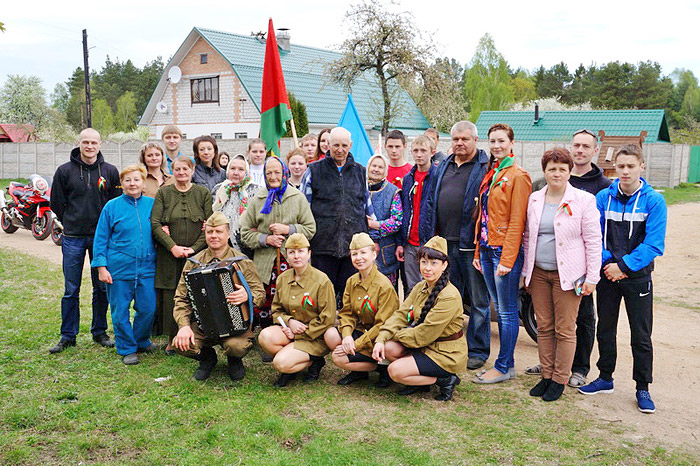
[{"x": 80, "y": 190}]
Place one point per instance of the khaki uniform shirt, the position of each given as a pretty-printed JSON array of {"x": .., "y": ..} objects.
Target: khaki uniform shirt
[
  {"x": 443, "y": 320},
  {"x": 182, "y": 311},
  {"x": 287, "y": 304},
  {"x": 151, "y": 185},
  {"x": 354, "y": 316}
]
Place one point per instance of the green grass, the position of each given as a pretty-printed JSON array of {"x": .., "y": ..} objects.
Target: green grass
[
  {"x": 4, "y": 183},
  {"x": 683, "y": 193},
  {"x": 85, "y": 406}
]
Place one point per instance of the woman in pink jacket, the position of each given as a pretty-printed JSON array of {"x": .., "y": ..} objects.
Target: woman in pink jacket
[{"x": 563, "y": 246}]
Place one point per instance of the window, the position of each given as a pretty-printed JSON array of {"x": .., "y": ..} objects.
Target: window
[
  {"x": 205, "y": 90},
  {"x": 216, "y": 135},
  {"x": 241, "y": 135},
  {"x": 203, "y": 58}
]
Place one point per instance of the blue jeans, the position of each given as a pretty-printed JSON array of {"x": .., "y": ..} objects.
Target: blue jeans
[
  {"x": 74, "y": 249},
  {"x": 504, "y": 294},
  {"x": 127, "y": 337},
  {"x": 470, "y": 282}
]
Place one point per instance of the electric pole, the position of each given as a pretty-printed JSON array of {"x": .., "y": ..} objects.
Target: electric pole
[{"x": 88, "y": 101}]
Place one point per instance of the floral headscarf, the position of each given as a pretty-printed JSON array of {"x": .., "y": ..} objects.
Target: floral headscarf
[{"x": 223, "y": 194}]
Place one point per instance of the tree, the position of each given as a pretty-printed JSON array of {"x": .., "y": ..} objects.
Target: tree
[
  {"x": 60, "y": 98},
  {"x": 552, "y": 82},
  {"x": 487, "y": 83},
  {"x": 523, "y": 87},
  {"x": 75, "y": 110},
  {"x": 438, "y": 93},
  {"x": 102, "y": 118},
  {"x": 384, "y": 43},
  {"x": 301, "y": 120},
  {"x": 2, "y": 26},
  {"x": 23, "y": 101},
  {"x": 125, "y": 116}
]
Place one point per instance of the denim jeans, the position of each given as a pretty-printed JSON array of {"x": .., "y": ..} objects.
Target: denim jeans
[
  {"x": 128, "y": 337},
  {"x": 74, "y": 249},
  {"x": 470, "y": 282},
  {"x": 504, "y": 294}
]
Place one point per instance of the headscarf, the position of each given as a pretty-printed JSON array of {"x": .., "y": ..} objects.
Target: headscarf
[
  {"x": 386, "y": 170},
  {"x": 275, "y": 193},
  {"x": 223, "y": 194}
]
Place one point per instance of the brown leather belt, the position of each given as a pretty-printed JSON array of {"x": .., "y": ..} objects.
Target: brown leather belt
[{"x": 454, "y": 336}]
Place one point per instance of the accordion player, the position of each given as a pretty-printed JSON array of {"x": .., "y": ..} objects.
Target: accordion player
[{"x": 207, "y": 288}]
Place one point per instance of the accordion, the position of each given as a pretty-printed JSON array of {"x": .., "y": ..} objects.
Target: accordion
[{"x": 207, "y": 287}]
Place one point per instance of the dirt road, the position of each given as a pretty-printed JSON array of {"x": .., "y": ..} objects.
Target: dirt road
[{"x": 676, "y": 339}]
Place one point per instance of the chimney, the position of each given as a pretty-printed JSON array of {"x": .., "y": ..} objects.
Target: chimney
[
  {"x": 537, "y": 112},
  {"x": 283, "y": 39}
]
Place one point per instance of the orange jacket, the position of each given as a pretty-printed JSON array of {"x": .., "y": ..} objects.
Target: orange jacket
[{"x": 507, "y": 212}]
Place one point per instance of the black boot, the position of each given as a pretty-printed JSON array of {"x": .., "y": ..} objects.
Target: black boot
[
  {"x": 541, "y": 387},
  {"x": 283, "y": 380},
  {"x": 353, "y": 377},
  {"x": 236, "y": 369},
  {"x": 447, "y": 386},
  {"x": 384, "y": 380},
  {"x": 207, "y": 361},
  {"x": 317, "y": 363},
  {"x": 553, "y": 392},
  {"x": 411, "y": 389}
]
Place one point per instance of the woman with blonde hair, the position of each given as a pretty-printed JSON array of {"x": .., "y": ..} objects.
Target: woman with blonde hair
[{"x": 152, "y": 157}]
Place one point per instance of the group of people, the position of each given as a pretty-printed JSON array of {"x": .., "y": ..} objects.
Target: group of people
[{"x": 455, "y": 231}]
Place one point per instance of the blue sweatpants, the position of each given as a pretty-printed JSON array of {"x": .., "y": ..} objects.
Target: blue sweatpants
[{"x": 129, "y": 338}]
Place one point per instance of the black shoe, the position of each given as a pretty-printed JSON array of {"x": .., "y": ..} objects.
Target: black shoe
[
  {"x": 152, "y": 348},
  {"x": 553, "y": 392},
  {"x": 447, "y": 386},
  {"x": 411, "y": 389},
  {"x": 541, "y": 387},
  {"x": 384, "y": 380},
  {"x": 475, "y": 363},
  {"x": 236, "y": 369},
  {"x": 353, "y": 377},
  {"x": 283, "y": 380},
  {"x": 61, "y": 345},
  {"x": 207, "y": 361},
  {"x": 103, "y": 340},
  {"x": 170, "y": 352},
  {"x": 266, "y": 358},
  {"x": 317, "y": 363}
]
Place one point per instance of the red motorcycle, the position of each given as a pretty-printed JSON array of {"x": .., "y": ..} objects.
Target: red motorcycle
[{"x": 29, "y": 208}]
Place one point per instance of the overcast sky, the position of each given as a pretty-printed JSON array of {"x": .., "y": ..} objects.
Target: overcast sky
[{"x": 43, "y": 38}]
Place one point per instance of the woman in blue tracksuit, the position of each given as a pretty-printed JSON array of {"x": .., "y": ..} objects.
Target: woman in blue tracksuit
[
  {"x": 633, "y": 220},
  {"x": 125, "y": 258}
]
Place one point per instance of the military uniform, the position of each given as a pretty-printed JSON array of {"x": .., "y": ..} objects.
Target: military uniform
[
  {"x": 237, "y": 346},
  {"x": 367, "y": 304},
  {"x": 444, "y": 321},
  {"x": 317, "y": 312}
]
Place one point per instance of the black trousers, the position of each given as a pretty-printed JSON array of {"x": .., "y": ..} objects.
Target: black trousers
[
  {"x": 338, "y": 269},
  {"x": 585, "y": 336},
  {"x": 638, "y": 295}
]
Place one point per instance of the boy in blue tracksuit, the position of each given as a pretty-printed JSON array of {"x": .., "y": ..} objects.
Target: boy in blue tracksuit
[
  {"x": 633, "y": 220},
  {"x": 125, "y": 258}
]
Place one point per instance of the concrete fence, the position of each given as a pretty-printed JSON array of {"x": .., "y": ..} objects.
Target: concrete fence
[{"x": 666, "y": 164}]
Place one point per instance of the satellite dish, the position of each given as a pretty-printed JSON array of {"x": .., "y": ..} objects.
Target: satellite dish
[
  {"x": 162, "y": 107},
  {"x": 175, "y": 74}
]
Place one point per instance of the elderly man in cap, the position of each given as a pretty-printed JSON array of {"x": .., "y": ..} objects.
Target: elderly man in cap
[{"x": 190, "y": 341}]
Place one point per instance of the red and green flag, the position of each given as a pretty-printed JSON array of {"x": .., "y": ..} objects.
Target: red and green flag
[{"x": 274, "y": 108}]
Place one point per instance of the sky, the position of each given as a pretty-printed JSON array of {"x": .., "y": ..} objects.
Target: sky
[{"x": 44, "y": 38}]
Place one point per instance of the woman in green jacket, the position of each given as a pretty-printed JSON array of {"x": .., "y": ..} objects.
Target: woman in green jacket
[
  {"x": 179, "y": 212},
  {"x": 272, "y": 215}
]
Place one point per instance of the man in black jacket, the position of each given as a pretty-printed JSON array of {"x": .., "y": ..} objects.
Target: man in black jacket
[
  {"x": 336, "y": 188},
  {"x": 81, "y": 188}
]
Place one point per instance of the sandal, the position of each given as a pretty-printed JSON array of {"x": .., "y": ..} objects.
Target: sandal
[{"x": 534, "y": 370}]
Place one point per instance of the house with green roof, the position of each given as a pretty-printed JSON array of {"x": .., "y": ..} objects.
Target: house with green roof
[
  {"x": 213, "y": 84},
  {"x": 560, "y": 125}
]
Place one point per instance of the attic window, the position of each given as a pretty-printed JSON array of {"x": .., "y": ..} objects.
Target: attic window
[
  {"x": 203, "y": 58},
  {"x": 205, "y": 90}
]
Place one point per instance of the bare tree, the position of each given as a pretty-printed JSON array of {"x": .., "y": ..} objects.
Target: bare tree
[{"x": 387, "y": 44}]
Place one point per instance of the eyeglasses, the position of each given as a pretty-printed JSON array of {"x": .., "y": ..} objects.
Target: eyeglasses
[{"x": 587, "y": 131}]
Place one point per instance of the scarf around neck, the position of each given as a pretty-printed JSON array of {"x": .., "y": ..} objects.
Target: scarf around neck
[{"x": 490, "y": 177}]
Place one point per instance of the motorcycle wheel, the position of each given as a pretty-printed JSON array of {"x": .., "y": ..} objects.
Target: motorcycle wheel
[
  {"x": 6, "y": 224},
  {"x": 56, "y": 235},
  {"x": 41, "y": 227},
  {"x": 527, "y": 314}
]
